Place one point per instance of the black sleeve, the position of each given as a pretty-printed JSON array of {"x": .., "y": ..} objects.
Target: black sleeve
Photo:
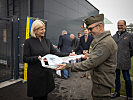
[
  {"x": 76, "y": 43},
  {"x": 27, "y": 58},
  {"x": 80, "y": 47},
  {"x": 60, "y": 42},
  {"x": 77, "y": 46}
]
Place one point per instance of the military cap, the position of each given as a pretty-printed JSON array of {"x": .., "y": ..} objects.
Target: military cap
[{"x": 94, "y": 19}]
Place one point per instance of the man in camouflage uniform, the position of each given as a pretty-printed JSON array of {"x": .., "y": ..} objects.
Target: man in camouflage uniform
[{"x": 102, "y": 59}]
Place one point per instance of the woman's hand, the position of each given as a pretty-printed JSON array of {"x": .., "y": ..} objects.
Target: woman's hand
[{"x": 39, "y": 57}]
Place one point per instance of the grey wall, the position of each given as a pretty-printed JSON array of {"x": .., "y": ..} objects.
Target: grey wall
[
  {"x": 37, "y": 8},
  {"x": 66, "y": 14},
  {"x": 3, "y": 9}
]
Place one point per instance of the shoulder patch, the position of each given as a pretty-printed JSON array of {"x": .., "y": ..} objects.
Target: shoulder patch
[{"x": 99, "y": 52}]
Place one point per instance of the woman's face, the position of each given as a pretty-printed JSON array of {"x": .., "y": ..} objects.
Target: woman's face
[{"x": 40, "y": 32}]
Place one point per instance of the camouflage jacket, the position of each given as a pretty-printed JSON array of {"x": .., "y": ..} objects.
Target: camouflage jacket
[{"x": 102, "y": 61}]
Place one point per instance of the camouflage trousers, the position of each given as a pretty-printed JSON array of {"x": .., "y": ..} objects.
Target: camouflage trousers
[{"x": 100, "y": 92}]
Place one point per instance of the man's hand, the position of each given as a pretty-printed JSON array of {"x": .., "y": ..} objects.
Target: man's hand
[
  {"x": 61, "y": 67},
  {"x": 86, "y": 56},
  {"x": 56, "y": 46},
  {"x": 85, "y": 51}
]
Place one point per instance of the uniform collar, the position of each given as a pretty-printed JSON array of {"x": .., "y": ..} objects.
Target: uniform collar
[{"x": 101, "y": 36}]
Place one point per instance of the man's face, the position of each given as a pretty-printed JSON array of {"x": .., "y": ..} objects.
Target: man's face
[
  {"x": 121, "y": 26},
  {"x": 62, "y": 33},
  {"x": 79, "y": 35},
  {"x": 94, "y": 30},
  {"x": 72, "y": 37},
  {"x": 86, "y": 32}
]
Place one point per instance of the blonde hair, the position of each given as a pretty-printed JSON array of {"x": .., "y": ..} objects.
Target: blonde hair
[{"x": 35, "y": 26}]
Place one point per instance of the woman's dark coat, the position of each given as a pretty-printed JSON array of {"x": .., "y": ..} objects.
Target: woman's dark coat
[{"x": 40, "y": 80}]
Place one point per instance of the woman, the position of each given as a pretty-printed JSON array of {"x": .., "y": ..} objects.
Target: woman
[{"x": 40, "y": 80}]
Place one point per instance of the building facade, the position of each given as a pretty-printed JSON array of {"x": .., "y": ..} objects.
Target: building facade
[{"x": 60, "y": 15}]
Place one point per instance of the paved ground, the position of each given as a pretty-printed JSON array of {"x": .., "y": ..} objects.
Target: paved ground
[{"x": 74, "y": 88}]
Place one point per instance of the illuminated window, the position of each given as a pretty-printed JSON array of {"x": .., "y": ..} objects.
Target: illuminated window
[{"x": 4, "y": 35}]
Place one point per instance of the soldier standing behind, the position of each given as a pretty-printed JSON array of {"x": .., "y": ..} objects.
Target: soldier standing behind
[
  {"x": 124, "y": 41},
  {"x": 102, "y": 59}
]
